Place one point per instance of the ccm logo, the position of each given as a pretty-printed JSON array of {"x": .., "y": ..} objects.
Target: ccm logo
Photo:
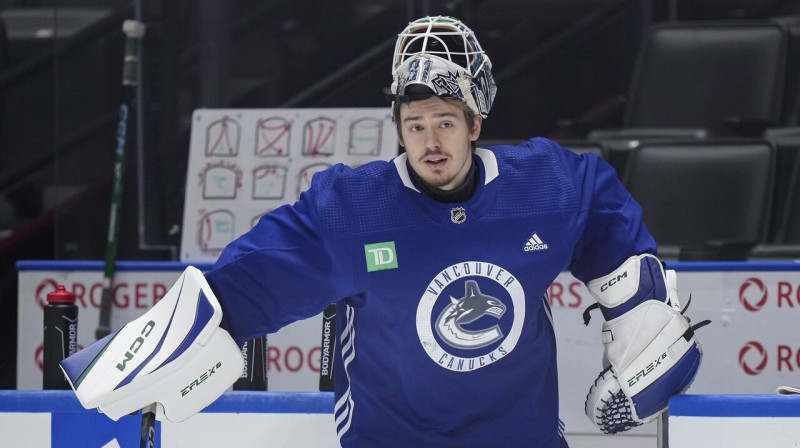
[
  {"x": 136, "y": 345},
  {"x": 613, "y": 281}
]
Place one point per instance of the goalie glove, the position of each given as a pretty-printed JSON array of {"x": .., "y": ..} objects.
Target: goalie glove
[
  {"x": 650, "y": 351},
  {"x": 174, "y": 355}
]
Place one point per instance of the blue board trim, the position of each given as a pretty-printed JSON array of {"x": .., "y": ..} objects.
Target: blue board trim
[
  {"x": 58, "y": 401},
  {"x": 55, "y": 401},
  {"x": 734, "y": 406},
  {"x": 273, "y": 402},
  {"x": 39, "y": 401}
]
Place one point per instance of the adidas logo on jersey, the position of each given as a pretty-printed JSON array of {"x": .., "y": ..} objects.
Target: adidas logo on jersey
[{"x": 535, "y": 243}]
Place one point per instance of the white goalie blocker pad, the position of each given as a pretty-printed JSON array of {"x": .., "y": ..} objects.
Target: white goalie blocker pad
[
  {"x": 174, "y": 355},
  {"x": 650, "y": 351}
]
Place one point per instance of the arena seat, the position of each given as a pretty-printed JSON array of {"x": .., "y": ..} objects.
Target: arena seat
[
  {"x": 702, "y": 79},
  {"x": 723, "y": 76},
  {"x": 783, "y": 241},
  {"x": 707, "y": 199}
]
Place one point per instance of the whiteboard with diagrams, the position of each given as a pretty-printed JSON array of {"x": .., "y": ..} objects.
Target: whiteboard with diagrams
[{"x": 244, "y": 163}]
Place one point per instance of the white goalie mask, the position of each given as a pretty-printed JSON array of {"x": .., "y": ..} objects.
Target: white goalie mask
[{"x": 442, "y": 54}]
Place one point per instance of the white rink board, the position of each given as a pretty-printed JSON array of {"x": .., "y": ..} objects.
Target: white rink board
[
  {"x": 734, "y": 421},
  {"x": 252, "y": 430},
  {"x": 751, "y": 347},
  {"x": 734, "y": 432},
  {"x": 55, "y": 419},
  {"x": 29, "y": 430}
]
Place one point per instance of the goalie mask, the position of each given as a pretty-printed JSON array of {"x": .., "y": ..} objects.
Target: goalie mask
[{"x": 442, "y": 54}]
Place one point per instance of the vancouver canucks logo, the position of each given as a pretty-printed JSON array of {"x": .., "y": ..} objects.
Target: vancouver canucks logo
[
  {"x": 468, "y": 309},
  {"x": 465, "y": 332}
]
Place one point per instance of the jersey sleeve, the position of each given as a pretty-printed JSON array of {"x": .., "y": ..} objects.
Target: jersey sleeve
[
  {"x": 283, "y": 270},
  {"x": 609, "y": 225}
]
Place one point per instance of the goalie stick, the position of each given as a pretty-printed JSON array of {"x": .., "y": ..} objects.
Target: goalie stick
[
  {"x": 148, "y": 437},
  {"x": 134, "y": 30}
]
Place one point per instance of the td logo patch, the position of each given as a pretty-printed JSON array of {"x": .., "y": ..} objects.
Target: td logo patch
[{"x": 380, "y": 256}]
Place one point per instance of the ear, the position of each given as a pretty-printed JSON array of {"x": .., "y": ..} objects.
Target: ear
[{"x": 476, "y": 129}]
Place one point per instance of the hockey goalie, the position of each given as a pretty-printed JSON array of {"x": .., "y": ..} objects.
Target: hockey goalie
[{"x": 439, "y": 262}]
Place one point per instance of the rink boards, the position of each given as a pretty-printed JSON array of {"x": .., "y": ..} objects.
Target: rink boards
[
  {"x": 55, "y": 419},
  {"x": 751, "y": 347},
  {"x": 731, "y": 421}
]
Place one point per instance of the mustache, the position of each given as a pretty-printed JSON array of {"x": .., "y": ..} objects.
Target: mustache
[{"x": 435, "y": 152}]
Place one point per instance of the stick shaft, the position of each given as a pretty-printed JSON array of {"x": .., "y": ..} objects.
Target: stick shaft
[
  {"x": 134, "y": 31},
  {"x": 148, "y": 439},
  {"x": 104, "y": 324}
]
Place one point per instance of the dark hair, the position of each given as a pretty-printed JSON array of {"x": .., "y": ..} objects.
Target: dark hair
[{"x": 469, "y": 116}]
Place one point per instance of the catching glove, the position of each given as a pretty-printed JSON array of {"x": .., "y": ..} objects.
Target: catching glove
[{"x": 650, "y": 349}]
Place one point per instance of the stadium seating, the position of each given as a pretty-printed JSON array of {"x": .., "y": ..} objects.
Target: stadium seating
[
  {"x": 702, "y": 79},
  {"x": 783, "y": 241},
  {"x": 704, "y": 199},
  {"x": 724, "y": 77}
]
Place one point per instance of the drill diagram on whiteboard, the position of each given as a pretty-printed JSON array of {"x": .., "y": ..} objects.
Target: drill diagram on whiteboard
[{"x": 244, "y": 163}]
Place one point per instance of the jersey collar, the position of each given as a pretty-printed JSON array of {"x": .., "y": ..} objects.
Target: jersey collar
[{"x": 487, "y": 158}]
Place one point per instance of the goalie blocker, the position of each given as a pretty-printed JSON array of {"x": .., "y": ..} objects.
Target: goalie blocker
[
  {"x": 650, "y": 351},
  {"x": 174, "y": 355}
]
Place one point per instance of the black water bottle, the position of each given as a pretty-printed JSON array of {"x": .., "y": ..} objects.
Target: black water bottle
[
  {"x": 254, "y": 374},
  {"x": 60, "y": 336}
]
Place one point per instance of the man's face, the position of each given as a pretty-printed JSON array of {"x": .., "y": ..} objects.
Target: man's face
[{"x": 437, "y": 140}]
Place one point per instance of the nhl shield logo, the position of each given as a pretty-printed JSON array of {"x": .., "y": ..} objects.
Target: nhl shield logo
[{"x": 458, "y": 215}]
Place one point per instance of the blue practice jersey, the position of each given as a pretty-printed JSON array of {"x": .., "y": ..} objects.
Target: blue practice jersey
[{"x": 445, "y": 335}]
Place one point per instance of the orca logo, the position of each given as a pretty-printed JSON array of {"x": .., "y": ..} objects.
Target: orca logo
[
  {"x": 465, "y": 338},
  {"x": 468, "y": 309},
  {"x": 758, "y": 353},
  {"x": 753, "y": 294}
]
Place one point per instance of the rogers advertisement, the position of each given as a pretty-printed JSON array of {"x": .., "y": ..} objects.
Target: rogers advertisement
[
  {"x": 752, "y": 345},
  {"x": 293, "y": 353}
]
